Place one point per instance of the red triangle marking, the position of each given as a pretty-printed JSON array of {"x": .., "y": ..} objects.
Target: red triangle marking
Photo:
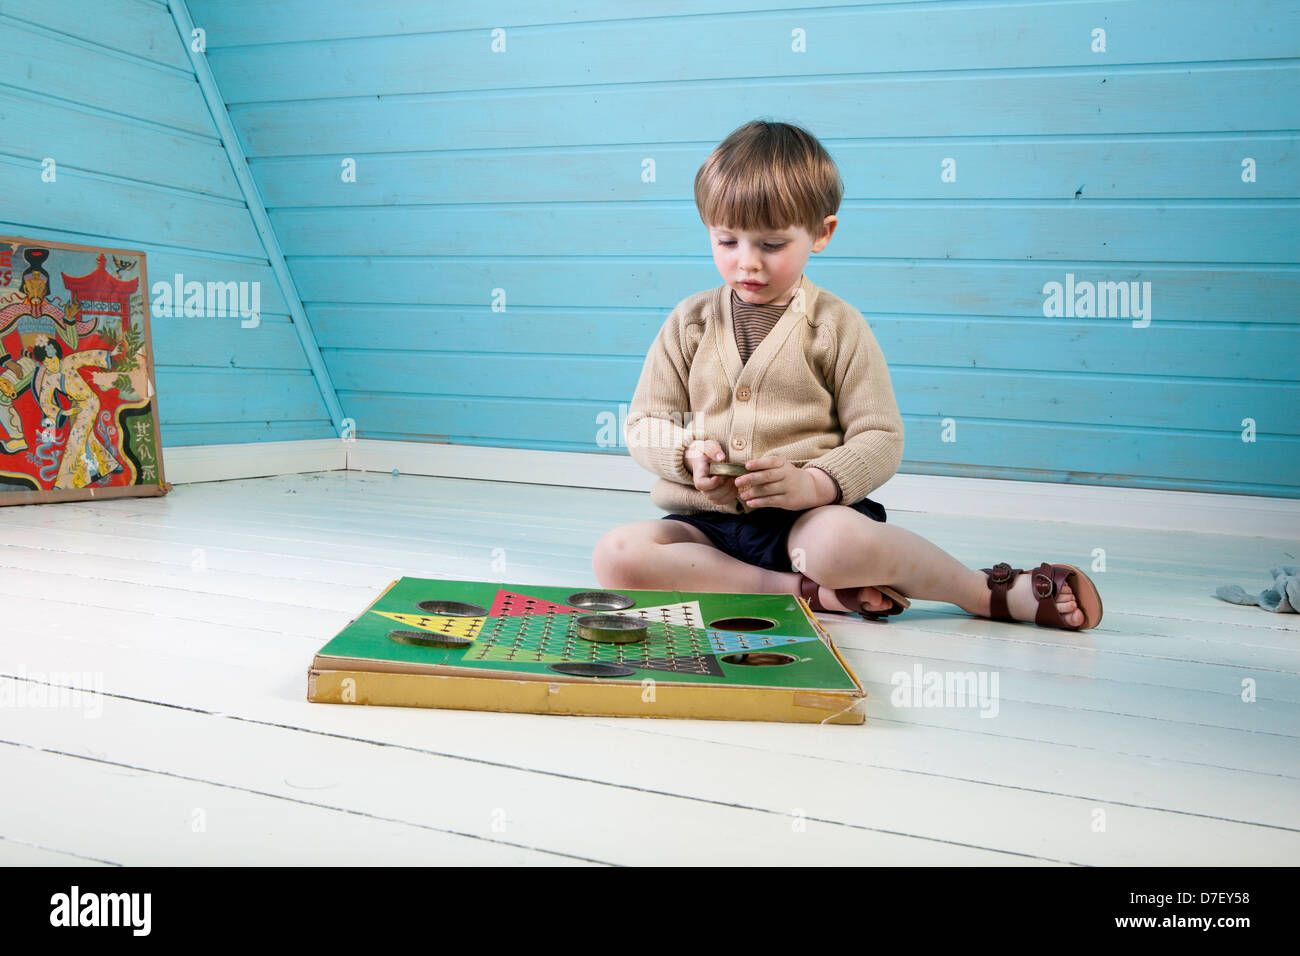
[{"x": 520, "y": 606}]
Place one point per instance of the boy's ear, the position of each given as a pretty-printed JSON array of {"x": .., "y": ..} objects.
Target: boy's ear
[{"x": 828, "y": 230}]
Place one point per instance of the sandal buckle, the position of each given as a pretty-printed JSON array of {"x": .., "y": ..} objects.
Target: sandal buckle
[
  {"x": 1001, "y": 573},
  {"x": 1043, "y": 585}
]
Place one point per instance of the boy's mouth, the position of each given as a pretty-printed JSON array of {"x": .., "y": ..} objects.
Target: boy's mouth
[{"x": 753, "y": 286}]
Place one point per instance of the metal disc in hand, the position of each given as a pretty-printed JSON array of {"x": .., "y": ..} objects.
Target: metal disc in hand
[{"x": 727, "y": 468}]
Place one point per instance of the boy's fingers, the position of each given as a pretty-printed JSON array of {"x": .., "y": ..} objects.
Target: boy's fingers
[{"x": 761, "y": 482}]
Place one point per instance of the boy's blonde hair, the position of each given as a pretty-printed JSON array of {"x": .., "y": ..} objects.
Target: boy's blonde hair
[{"x": 767, "y": 177}]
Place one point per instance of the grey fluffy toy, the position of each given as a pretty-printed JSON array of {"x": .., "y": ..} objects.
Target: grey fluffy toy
[{"x": 1284, "y": 595}]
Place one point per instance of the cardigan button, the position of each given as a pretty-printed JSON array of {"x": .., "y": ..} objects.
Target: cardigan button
[
  {"x": 737, "y": 443},
  {"x": 743, "y": 393}
]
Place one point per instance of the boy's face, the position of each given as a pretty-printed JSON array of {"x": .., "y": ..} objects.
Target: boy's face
[{"x": 764, "y": 267}]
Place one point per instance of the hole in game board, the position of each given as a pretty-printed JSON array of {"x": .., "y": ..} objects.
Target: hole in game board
[
  {"x": 759, "y": 659},
  {"x": 591, "y": 669},
  {"x": 742, "y": 624},
  {"x": 452, "y": 609}
]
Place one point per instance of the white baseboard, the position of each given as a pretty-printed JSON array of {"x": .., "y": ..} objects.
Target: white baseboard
[
  {"x": 1154, "y": 509},
  {"x": 1248, "y": 515},
  {"x": 574, "y": 469},
  {"x": 185, "y": 464}
]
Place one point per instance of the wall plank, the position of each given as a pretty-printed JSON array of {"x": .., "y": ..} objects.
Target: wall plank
[
  {"x": 141, "y": 30},
  {"x": 237, "y": 22},
  {"x": 1015, "y": 103},
  {"x": 1177, "y": 166},
  {"x": 90, "y": 140},
  {"x": 204, "y": 396},
  {"x": 1186, "y": 293},
  {"x": 45, "y": 64},
  {"x": 960, "y": 394},
  {"x": 1207, "y": 349},
  {"x": 1099, "y": 231},
  {"x": 80, "y": 201}
]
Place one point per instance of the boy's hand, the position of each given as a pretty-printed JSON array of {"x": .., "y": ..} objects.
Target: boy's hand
[
  {"x": 773, "y": 482},
  {"x": 719, "y": 489}
]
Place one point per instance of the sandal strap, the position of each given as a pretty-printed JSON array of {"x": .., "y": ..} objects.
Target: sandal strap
[
  {"x": 808, "y": 589},
  {"x": 1000, "y": 578},
  {"x": 1045, "y": 583},
  {"x": 849, "y": 596}
]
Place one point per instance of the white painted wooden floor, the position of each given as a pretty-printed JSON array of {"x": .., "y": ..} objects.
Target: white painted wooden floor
[{"x": 198, "y": 614}]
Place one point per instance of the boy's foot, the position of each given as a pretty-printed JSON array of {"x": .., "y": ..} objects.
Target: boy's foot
[
  {"x": 1021, "y": 603},
  {"x": 868, "y": 598},
  {"x": 1042, "y": 595},
  {"x": 1023, "y": 606}
]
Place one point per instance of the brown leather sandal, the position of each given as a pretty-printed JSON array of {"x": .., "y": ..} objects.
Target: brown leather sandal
[
  {"x": 849, "y": 596},
  {"x": 1045, "y": 583}
]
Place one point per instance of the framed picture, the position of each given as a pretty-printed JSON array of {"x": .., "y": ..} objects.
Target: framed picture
[{"x": 78, "y": 405}]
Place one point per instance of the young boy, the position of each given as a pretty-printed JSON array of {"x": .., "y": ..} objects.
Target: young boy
[{"x": 773, "y": 372}]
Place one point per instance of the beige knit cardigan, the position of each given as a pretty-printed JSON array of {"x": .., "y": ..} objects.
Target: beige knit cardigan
[{"x": 816, "y": 391}]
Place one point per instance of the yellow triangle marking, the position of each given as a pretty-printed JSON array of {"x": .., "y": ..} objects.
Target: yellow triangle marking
[{"x": 438, "y": 624}]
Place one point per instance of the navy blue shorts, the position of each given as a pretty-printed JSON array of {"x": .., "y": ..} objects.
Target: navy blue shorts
[{"x": 759, "y": 536}]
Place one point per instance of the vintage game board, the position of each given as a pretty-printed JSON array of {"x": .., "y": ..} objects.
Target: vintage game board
[{"x": 485, "y": 646}]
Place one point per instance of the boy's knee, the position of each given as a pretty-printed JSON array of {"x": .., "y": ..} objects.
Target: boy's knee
[
  {"x": 827, "y": 540},
  {"x": 615, "y": 558}
]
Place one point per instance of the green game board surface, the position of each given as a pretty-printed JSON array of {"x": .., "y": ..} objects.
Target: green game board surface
[{"x": 525, "y": 635}]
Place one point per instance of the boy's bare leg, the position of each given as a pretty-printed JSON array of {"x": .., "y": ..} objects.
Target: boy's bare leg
[
  {"x": 663, "y": 555},
  {"x": 839, "y": 548},
  {"x": 836, "y": 546}
]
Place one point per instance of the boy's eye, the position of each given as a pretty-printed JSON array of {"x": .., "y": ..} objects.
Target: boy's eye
[{"x": 769, "y": 246}]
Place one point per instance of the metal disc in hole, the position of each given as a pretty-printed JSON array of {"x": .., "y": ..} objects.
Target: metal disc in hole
[
  {"x": 430, "y": 639},
  {"x": 452, "y": 609},
  {"x": 591, "y": 669},
  {"x": 600, "y": 601},
  {"x": 727, "y": 468},
  {"x": 611, "y": 628}
]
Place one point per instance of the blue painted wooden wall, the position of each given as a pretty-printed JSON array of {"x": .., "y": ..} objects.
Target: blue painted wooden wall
[
  {"x": 106, "y": 90},
  {"x": 519, "y": 169}
]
